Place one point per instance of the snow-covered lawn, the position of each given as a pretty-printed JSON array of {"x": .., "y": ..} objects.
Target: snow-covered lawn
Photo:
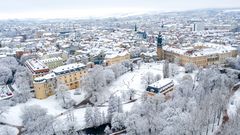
[
  {"x": 79, "y": 114},
  {"x": 133, "y": 80},
  {"x": 51, "y": 104},
  {"x": 14, "y": 113}
]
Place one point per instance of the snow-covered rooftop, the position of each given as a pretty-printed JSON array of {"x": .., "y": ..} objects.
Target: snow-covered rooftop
[
  {"x": 115, "y": 54},
  {"x": 45, "y": 77},
  {"x": 35, "y": 64},
  {"x": 203, "y": 50},
  {"x": 51, "y": 59},
  {"x": 150, "y": 54},
  {"x": 161, "y": 83},
  {"x": 68, "y": 68},
  {"x": 5, "y": 92}
]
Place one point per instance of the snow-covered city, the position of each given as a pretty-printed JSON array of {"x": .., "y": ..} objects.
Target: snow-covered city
[{"x": 132, "y": 67}]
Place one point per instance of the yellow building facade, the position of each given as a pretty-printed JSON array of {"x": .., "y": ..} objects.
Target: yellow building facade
[
  {"x": 201, "y": 56},
  {"x": 69, "y": 75},
  {"x": 116, "y": 58}
]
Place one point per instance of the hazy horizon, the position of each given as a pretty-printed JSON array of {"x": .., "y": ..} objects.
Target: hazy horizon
[{"x": 46, "y": 9}]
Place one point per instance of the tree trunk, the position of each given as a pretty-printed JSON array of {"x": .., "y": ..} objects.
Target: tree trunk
[
  {"x": 213, "y": 121},
  {"x": 219, "y": 116},
  {"x": 207, "y": 127}
]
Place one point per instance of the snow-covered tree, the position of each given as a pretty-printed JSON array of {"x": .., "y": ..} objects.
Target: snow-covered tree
[
  {"x": 3, "y": 109},
  {"x": 107, "y": 130},
  {"x": 95, "y": 80},
  {"x": 93, "y": 117},
  {"x": 109, "y": 75},
  {"x": 204, "y": 95},
  {"x": 97, "y": 117},
  {"x": 9, "y": 62},
  {"x": 231, "y": 62},
  {"x": 127, "y": 64},
  {"x": 132, "y": 124},
  {"x": 117, "y": 122},
  {"x": 166, "y": 69},
  {"x": 22, "y": 96},
  {"x": 190, "y": 67},
  {"x": 89, "y": 117},
  {"x": 94, "y": 83},
  {"x": 128, "y": 95},
  {"x": 103, "y": 118},
  {"x": 139, "y": 64},
  {"x": 157, "y": 77},
  {"x": 22, "y": 81},
  {"x": 146, "y": 118},
  {"x": 118, "y": 69},
  {"x": 173, "y": 69},
  {"x": 135, "y": 52},
  {"x": 64, "y": 96},
  {"x": 22, "y": 77},
  {"x": 114, "y": 106},
  {"x": 36, "y": 121},
  {"x": 70, "y": 124},
  {"x": 5, "y": 75},
  {"x": 148, "y": 79}
]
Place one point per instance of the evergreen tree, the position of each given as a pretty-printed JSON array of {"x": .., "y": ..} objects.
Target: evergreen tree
[{"x": 114, "y": 105}]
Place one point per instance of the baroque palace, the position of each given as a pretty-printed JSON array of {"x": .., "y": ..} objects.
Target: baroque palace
[{"x": 201, "y": 54}]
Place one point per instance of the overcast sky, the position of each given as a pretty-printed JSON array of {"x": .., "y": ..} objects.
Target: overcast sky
[{"x": 85, "y": 8}]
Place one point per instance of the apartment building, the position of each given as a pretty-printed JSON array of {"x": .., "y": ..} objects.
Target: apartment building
[{"x": 36, "y": 68}]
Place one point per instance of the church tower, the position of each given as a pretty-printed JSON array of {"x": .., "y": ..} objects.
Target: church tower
[
  {"x": 159, "y": 47},
  {"x": 135, "y": 28}
]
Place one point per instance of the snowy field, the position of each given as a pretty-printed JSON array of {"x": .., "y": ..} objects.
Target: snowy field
[
  {"x": 133, "y": 80},
  {"x": 51, "y": 104}
]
